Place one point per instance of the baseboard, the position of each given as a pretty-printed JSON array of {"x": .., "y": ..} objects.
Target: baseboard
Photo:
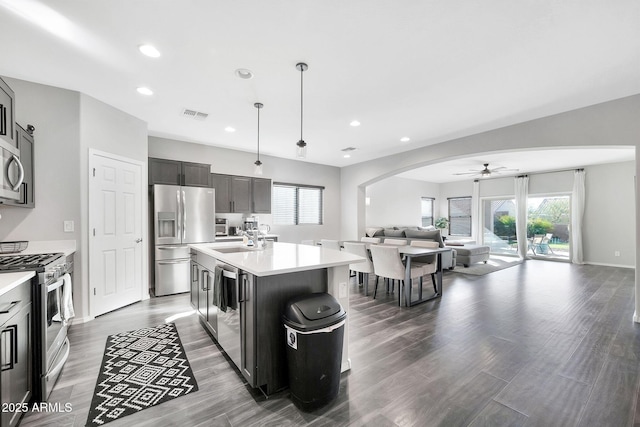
[
  {"x": 602, "y": 264},
  {"x": 80, "y": 320}
]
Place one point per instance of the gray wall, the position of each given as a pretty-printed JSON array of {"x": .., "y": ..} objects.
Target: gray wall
[
  {"x": 397, "y": 201},
  {"x": 67, "y": 125},
  {"x": 234, "y": 162}
]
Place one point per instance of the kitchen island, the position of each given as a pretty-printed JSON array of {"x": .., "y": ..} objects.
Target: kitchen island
[{"x": 243, "y": 309}]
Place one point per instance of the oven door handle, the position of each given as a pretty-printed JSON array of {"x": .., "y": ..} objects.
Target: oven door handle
[
  {"x": 57, "y": 368},
  {"x": 54, "y": 286}
]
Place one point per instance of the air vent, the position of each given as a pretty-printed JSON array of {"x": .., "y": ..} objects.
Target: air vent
[
  {"x": 346, "y": 150},
  {"x": 193, "y": 114}
]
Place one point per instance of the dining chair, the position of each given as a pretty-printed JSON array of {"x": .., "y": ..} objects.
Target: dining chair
[
  {"x": 387, "y": 264},
  {"x": 370, "y": 239},
  {"x": 398, "y": 242},
  {"x": 361, "y": 268},
  {"x": 330, "y": 244},
  {"x": 308, "y": 242},
  {"x": 429, "y": 263}
]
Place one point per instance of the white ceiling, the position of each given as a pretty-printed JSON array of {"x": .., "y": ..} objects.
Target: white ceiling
[{"x": 430, "y": 70}]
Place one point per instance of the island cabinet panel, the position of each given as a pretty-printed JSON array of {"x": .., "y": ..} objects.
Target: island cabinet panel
[
  {"x": 201, "y": 292},
  {"x": 272, "y": 293}
]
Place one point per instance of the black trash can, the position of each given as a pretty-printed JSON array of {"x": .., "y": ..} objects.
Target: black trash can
[{"x": 314, "y": 325}]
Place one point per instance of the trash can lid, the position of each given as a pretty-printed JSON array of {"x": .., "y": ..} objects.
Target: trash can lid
[{"x": 313, "y": 311}]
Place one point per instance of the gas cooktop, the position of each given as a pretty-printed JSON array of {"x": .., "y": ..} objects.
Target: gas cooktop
[{"x": 27, "y": 262}]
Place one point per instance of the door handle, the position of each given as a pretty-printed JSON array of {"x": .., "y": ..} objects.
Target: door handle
[
  {"x": 17, "y": 185},
  {"x": 138, "y": 240}
]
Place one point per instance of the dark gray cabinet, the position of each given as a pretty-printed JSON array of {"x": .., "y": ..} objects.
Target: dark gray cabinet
[
  {"x": 202, "y": 298},
  {"x": 25, "y": 145},
  {"x": 173, "y": 172},
  {"x": 16, "y": 376},
  {"x": 7, "y": 114},
  {"x": 241, "y": 194},
  {"x": 261, "y": 195}
]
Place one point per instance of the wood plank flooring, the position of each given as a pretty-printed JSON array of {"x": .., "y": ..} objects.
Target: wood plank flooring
[{"x": 539, "y": 344}]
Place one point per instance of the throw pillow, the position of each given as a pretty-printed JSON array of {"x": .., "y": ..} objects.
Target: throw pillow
[{"x": 371, "y": 231}]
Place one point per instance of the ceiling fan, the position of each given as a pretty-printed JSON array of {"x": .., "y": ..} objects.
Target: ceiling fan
[{"x": 486, "y": 171}]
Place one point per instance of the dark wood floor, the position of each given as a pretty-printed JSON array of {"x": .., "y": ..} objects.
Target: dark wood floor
[{"x": 544, "y": 343}]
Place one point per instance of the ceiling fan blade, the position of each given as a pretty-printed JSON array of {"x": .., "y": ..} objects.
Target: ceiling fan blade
[{"x": 468, "y": 173}]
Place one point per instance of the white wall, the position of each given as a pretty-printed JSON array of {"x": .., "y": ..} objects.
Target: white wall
[
  {"x": 609, "y": 219},
  {"x": 67, "y": 124},
  {"x": 55, "y": 113},
  {"x": 112, "y": 131},
  {"x": 233, "y": 162},
  {"x": 397, "y": 201}
]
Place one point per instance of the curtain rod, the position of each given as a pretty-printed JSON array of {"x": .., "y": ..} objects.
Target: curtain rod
[{"x": 530, "y": 173}]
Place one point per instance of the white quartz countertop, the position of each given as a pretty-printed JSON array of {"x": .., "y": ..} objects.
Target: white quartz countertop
[
  {"x": 279, "y": 258},
  {"x": 67, "y": 247},
  {"x": 8, "y": 281},
  {"x": 239, "y": 238}
]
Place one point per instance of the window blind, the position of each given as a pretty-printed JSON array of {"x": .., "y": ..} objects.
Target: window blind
[{"x": 295, "y": 204}]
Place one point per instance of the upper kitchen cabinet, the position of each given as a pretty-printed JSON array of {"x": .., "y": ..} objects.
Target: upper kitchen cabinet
[
  {"x": 241, "y": 194},
  {"x": 261, "y": 190},
  {"x": 7, "y": 114},
  {"x": 173, "y": 172}
]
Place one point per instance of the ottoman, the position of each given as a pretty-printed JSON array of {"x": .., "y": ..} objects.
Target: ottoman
[{"x": 469, "y": 254}]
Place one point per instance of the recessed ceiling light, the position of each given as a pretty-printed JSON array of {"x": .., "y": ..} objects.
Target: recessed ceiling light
[
  {"x": 405, "y": 139},
  {"x": 243, "y": 73},
  {"x": 346, "y": 156},
  {"x": 229, "y": 129},
  {"x": 144, "y": 91},
  {"x": 355, "y": 123},
  {"x": 149, "y": 50}
]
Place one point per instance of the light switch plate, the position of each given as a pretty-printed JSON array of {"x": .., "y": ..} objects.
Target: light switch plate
[{"x": 68, "y": 226}]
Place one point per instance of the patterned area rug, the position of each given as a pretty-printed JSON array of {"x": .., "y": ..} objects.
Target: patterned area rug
[
  {"x": 140, "y": 369},
  {"x": 494, "y": 263}
]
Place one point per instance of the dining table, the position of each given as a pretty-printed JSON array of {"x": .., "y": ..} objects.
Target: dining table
[{"x": 408, "y": 253}]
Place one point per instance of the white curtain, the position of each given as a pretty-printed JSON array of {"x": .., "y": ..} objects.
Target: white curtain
[
  {"x": 577, "y": 212},
  {"x": 522, "y": 193},
  {"x": 476, "y": 224}
]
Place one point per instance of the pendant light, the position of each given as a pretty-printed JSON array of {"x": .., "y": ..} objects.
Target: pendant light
[
  {"x": 258, "y": 169},
  {"x": 301, "y": 150}
]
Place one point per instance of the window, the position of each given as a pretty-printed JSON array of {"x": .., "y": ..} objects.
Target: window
[
  {"x": 427, "y": 211},
  {"x": 295, "y": 204},
  {"x": 460, "y": 216}
]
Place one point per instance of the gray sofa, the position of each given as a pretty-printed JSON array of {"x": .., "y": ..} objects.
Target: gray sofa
[{"x": 416, "y": 233}]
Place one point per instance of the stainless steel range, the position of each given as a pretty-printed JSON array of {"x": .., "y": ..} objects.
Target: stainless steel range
[{"x": 51, "y": 345}]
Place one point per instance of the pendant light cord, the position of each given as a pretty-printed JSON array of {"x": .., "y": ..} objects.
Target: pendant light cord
[
  {"x": 258, "y": 134},
  {"x": 301, "y": 102}
]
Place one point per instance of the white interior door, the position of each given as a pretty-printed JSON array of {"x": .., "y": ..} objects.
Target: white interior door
[{"x": 115, "y": 233}]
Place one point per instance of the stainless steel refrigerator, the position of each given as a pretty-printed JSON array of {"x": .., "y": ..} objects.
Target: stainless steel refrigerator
[{"x": 181, "y": 215}]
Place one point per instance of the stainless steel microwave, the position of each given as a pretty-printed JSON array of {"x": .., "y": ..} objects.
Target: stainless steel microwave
[{"x": 12, "y": 171}]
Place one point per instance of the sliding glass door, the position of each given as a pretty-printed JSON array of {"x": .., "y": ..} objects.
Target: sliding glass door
[{"x": 548, "y": 219}]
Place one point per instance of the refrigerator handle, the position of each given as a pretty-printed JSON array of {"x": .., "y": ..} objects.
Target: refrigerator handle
[
  {"x": 179, "y": 221},
  {"x": 184, "y": 216}
]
